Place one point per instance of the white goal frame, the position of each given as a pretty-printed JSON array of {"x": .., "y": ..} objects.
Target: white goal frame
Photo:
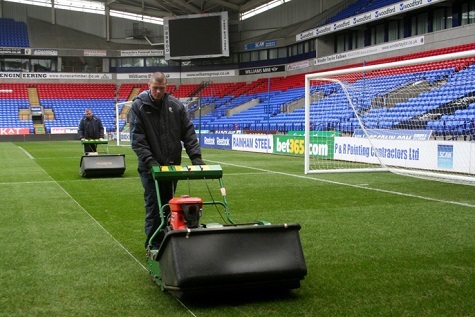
[
  {"x": 326, "y": 76},
  {"x": 117, "y": 119}
]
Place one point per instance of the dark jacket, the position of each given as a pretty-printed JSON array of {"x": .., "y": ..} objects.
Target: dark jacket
[
  {"x": 90, "y": 129},
  {"x": 157, "y": 130}
]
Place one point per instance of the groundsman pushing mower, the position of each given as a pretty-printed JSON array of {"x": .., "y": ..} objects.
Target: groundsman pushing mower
[{"x": 196, "y": 258}]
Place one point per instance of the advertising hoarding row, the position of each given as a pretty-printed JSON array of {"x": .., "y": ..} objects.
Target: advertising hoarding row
[{"x": 414, "y": 153}]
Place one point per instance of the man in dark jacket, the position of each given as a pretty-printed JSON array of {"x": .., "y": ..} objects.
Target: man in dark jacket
[
  {"x": 90, "y": 127},
  {"x": 159, "y": 123}
]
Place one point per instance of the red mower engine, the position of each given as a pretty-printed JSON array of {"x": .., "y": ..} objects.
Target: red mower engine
[{"x": 185, "y": 212}]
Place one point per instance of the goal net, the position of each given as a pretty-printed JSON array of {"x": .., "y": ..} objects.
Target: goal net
[
  {"x": 413, "y": 117},
  {"x": 122, "y": 133}
]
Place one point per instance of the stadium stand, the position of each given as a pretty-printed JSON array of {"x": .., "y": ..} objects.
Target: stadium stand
[
  {"x": 13, "y": 33},
  {"x": 271, "y": 113},
  {"x": 68, "y": 102},
  {"x": 260, "y": 109},
  {"x": 353, "y": 9},
  {"x": 270, "y": 109},
  {"x": 274, "y": 102},
  {"x": 14, "y": 105}
]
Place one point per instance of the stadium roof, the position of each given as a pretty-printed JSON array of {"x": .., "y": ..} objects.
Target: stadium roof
[{"x": 166, "y": 8}]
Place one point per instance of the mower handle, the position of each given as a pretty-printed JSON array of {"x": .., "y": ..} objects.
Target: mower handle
[
  {"x": 177, "y": 172},
  {"x": 170, "y": 173}
]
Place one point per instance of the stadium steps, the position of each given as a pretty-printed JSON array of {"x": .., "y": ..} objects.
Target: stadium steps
[
  {"x": 135, "y": 91},
  {"x": 39, "y": 128},
  {"x": 24, "y": 114},
  {"x": 49, "y": 114},
  {"x": 33, "y": 97},
  {"x": 124, "y": 111}
]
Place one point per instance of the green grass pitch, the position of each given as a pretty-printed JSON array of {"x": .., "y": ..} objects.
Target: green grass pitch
[{"x": 375, "y": 244}]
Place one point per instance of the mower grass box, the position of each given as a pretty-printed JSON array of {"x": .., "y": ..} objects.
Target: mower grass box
[{"x": 95, "y": 164}]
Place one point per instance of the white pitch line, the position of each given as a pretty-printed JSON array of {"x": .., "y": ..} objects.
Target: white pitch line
[
  {"x": 71, "y": 181},
  {"x": 26, "y": 152},
  {"x": 85, "y": 211},
  {"x": 100, "y": 226},
  {"x": 256, "y": 169},
  {"x": 351, "y": 185},
  {"x": 21, "y": 183}
]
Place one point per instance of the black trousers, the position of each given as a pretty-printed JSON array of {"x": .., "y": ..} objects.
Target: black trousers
[
  {"x": 90, "y": 148},
  {"x": 152, "y": 208}
]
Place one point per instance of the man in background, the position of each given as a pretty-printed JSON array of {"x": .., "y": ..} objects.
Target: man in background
[{"x": 90, "y": 127}]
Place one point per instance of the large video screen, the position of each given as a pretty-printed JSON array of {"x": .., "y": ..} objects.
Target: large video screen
[{"x": 196, "y": 36}]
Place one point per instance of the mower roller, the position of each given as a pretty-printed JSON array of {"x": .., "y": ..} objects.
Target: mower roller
[{"x": 196, "y": 258}]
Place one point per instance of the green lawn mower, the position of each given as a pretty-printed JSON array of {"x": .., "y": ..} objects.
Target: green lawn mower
[{"x": 196, "y": 258}]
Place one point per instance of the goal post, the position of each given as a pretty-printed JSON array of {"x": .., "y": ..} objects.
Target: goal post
[
  {"x": 412, "y": 116},
  {"x": 122, "y": 134}
]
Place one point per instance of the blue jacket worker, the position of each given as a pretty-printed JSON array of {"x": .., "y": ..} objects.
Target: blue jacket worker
[
  {"x": 159, "y": 125},
  {"x": 90, "y": 127}
]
